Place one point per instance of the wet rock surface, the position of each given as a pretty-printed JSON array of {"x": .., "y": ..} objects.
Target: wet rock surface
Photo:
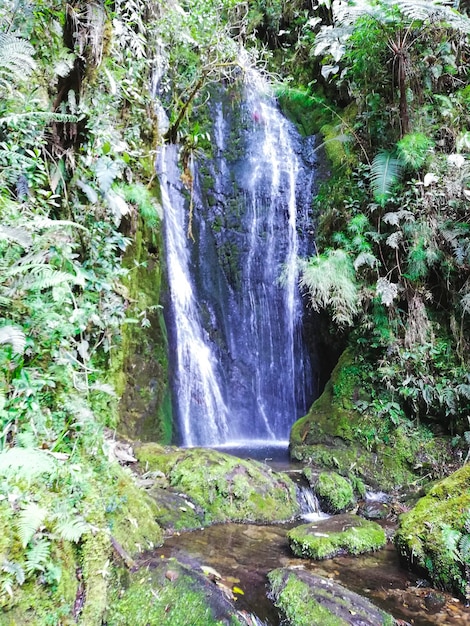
[{"x": 304, "y": 597}]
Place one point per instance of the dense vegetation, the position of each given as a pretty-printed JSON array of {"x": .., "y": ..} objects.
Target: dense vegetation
[{"x": 387, "y": 85}]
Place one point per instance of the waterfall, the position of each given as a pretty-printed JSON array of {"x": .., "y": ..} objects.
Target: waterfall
[
  {"x": 241, "y": 368},
  {"x": 310, "y": 509}
]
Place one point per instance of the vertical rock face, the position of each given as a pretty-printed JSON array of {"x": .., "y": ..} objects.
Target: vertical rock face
[{"x": 242, "y": 370}]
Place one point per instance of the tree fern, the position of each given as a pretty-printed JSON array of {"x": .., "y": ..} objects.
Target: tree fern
[
  {"x": 30, "y": 519},
  {"x": 385, "y": 171},
  {"x": 330, "y": 281}
]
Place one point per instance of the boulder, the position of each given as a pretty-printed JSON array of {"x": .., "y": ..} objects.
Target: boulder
[
  {"x": 341, "y": 534},
  {"x": 308, "y": 599}
]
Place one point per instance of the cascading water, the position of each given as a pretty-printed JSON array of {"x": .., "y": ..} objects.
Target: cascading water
[{"x": 241, "y": 369}]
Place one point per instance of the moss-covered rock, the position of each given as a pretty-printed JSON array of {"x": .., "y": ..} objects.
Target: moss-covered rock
[
  {"x": 170, "y": 594},
  {"x": 434, "y": 536},
  {"x": 224, "y": 487},
  {"x": 334, "y": 492},
  {"x": 337, "y": 435},
  {"x": 341, "y": 534},
  {"x": 306, "y": 599}
]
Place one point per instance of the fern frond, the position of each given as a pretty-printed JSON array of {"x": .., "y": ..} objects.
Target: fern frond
[
  {"x": 46, "y": 116},
  {"x": 435, "y": 10},
  {"x": 10, "y": 567},
  {"x": 365, "y": 258},
  {"x": 15, "y": 336},
  {"x": 30, "y": 519},
  {"x": 386, "y": 291},
  {"x": 16, "y": 56},
  {"x": 19, "y": 235},
  {"x": 464, "y": 549},
  {"x": 331, "y": 283},
  {"x": 26, "y": 463},
  {"x": 414, "y": 149},
  {"x": 395, "y": 217},
  {"x": 385, "y": 170},
  {"x": 72, "y": 529},
  {"x": 38, "y": 556},
  {"x": 43, "y": 277}
]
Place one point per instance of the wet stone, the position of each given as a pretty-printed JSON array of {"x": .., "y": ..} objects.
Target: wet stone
[
  {"x": 306, "y": 598},
  {"x": 341, "y": 534}
]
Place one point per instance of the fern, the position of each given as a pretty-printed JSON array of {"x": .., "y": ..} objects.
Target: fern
[
  {"x": 10, "y": 567},
  {"x": 30, "y": 519},
  {"x": 72, "y": 529},
  {"x": 386, "y": 290},
  {"x": 15, "y": 336},
  {"x": 385, "y": 170},
  {"x": 43, "y": 277},
  {"x": 414, "y": 149},
  {"x": 464, "y": 549},
  {"x": 26, "y": 463},
  {"x": 16, "y": 58},
  {"x": 38, "y": 556},
  {"x": 330, "y": 280},
  {"x": 18, "y": 235}
]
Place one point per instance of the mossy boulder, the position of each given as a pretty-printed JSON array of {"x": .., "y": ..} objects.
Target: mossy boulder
[
  {"x": 170, "y": 594},
  {"x": 306, "y": 599},
  {"x": 341, "y": 534},
  {"x": 224, "y": 487},
  {"x": 336, "y": 435},
  {"x": 434, "y": 537},
  {"x": 335, "y": 493}
]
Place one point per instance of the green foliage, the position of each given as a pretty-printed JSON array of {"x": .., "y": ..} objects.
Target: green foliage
[
  {"x": 385, "y": 171},
  {"x": 413, "y": 149},
  {"x": 330, "y": 281}
]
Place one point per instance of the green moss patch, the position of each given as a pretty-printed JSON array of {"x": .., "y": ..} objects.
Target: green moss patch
[
  {"x": 434, "y": 537},
  {"x": 224, "y": 487},
  {"x": 334, "y": 492},
  {"x": 341, "y": 534},
  {"x": 336, "y": 435},
  {"x": 170, "y": 594},
  {"x": 306, "y": 599}
]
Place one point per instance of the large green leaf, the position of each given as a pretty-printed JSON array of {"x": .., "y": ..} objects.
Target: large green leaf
[{"x": 385, "y": 170}]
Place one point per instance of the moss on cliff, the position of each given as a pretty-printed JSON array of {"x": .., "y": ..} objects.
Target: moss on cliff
[{"x": 140, "y": 366}]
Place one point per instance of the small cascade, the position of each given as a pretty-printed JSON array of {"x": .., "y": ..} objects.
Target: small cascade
[
  {"x": 241, "y": 369},
  {"x": 309, "y": 506}
]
